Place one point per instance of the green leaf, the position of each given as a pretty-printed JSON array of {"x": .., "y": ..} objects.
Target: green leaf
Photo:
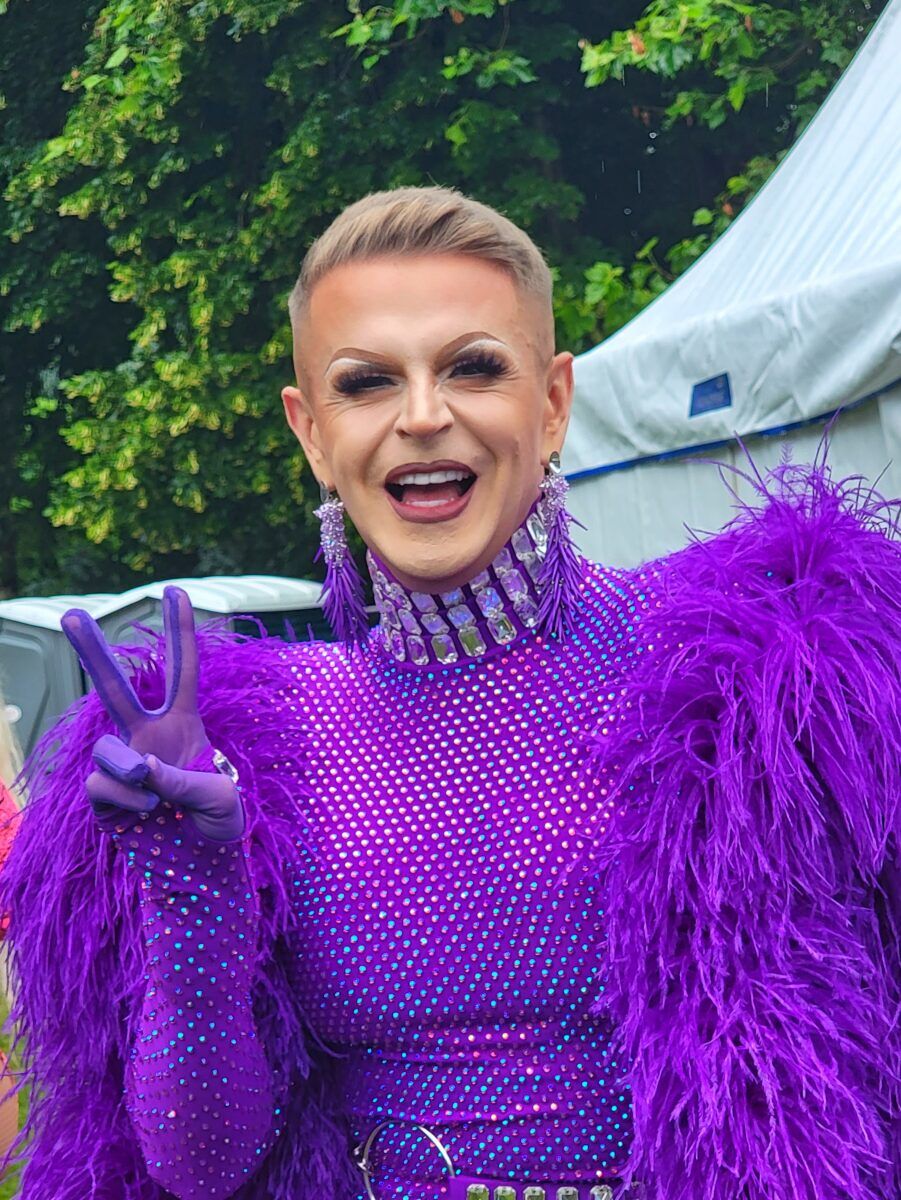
[
  {"x": 56, "y": 148},
  {"x": 456, "y": 134},
  {"x": 360, "y": 33},
  {"x": 736, "y": 94},
  {"x": 117, "y": 58},
  {"x": 648, "y": 248}
]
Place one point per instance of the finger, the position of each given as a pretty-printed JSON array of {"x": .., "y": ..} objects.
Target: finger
[
  {"x": 211, "y": 800},
  {"x": 119, "y": 761},
  {"x": 103, "y": 789},
  {"x": 114, "y": 690},
  {"x": 116, "y": 806},
  {"x": 181, "y": 650},
  {"x": 167, "y": 781}
]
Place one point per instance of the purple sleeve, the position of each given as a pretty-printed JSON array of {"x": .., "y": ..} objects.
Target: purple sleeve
[{"x": 199, "y": 1088}]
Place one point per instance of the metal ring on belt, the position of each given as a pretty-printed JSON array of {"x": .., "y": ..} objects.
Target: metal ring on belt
[{"x": 362, "y": 1151}]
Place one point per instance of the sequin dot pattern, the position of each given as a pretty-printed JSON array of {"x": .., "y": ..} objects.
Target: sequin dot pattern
[
  {"x": 451, "y": 931},
  {"x": 199, "y": 1086}
]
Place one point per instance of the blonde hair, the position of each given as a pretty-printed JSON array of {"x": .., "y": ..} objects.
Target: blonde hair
[{"x": 423, "y": 220}]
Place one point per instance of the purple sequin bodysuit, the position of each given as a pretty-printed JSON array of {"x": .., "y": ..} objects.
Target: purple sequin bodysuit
[
  {"x": 411, "y": 888},
  {"x": 450, "y": 934}
]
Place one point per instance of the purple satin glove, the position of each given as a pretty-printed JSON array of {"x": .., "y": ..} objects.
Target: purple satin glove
[
  {"x": 149, "y": 761},
  {"x": 199, "y": 1087},
  {"x": 128, "y": 784}
]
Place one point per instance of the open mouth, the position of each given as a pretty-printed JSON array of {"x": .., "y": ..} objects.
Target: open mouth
[{"x": 430, "y": 492}]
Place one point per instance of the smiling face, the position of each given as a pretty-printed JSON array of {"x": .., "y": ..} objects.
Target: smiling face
[{"x": 430, "y": 398}]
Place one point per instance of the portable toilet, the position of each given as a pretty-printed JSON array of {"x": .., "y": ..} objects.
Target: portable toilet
[
  {"x": 286, "y": 608},
  {"x": 40, "y": 674}
]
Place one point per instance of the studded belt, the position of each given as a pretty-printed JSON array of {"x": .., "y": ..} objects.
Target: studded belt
[
  {"x": 470, "y": 1188},
  {"x": 476, "y": 1187}
]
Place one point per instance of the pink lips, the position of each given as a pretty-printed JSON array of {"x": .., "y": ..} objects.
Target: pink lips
[{"x": 434, "y": 512}]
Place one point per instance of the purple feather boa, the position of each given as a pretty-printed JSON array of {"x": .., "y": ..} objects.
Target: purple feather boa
[
  {"x": 753, "y": 912},
  {"x": 753, "y": 961},
  {"x": 77, "y": 956}
]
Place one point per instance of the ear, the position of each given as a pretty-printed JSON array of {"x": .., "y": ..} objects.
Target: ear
[
  {"x": 559, "y": 402},
  {"x": 302, "y": 422}
]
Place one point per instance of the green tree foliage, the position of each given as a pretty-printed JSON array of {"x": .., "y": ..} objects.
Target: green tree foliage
[{"x": 165, "y": 163}]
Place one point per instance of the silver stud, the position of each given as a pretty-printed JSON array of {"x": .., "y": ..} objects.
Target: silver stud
[
  {"x": 444, "y": 649},
  {"x": 434, "y": 623},
  {"x": 408, "y": 620},
  {"x": 460, "y": 616},
  {"x": 489, "y": 601},
  {"x": 536, "y": 528},
  {"x": 527, "y": 611},
  {"x": 521, "y": 544},
  {"x": 501, "y": 629},
  {"x": 389, "y": 615},
  {"x": 514, "y": 584},
  {"x": 424, "y": 602},
  {"x": 418, "y": 652},
  {"x": 533, "y": 563},
  {"x": 472, "y": 641}
]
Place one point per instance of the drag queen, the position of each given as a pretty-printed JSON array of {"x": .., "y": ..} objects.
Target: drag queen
[{"x": 563, "y": 882}]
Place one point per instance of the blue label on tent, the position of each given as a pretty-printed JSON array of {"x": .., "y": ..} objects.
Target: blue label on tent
[{"x": 710, "y": 395}]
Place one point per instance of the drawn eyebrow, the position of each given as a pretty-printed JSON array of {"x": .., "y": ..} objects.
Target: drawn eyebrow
[{"x": 372, "y": 358}]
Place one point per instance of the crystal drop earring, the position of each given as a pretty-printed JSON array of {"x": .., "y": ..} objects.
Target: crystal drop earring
[
  {"x": 342, "y": 594},
  {"x": 560, "y": 577}
]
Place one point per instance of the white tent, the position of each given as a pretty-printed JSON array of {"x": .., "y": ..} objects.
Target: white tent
[{"x": 794, "y": 313}]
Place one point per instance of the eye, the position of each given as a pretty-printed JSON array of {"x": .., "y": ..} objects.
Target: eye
[
  {"x": 480, "y": 364},
  {"x": 351, "y": 383}
]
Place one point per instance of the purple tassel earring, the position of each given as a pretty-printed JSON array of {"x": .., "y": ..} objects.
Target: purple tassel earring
[
  {"x": 560, "y": 577},
  {"x": 342, "y": 594}
]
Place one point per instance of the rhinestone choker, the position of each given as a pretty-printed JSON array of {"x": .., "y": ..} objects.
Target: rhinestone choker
[{"x": 494, "y": 608}]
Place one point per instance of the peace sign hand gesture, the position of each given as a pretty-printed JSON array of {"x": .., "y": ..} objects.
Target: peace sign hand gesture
[{"x": 147, "y": 761}]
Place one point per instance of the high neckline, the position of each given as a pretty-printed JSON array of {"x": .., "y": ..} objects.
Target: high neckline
[{"x": 497, "y": 606}]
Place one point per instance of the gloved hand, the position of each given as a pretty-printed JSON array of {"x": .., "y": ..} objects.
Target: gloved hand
[
  {"x": 178, "y": 820},
  {"x": 164, "y": 753}
]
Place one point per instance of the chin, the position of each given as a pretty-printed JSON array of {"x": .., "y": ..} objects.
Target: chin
[{"x": 437, "y": 569}]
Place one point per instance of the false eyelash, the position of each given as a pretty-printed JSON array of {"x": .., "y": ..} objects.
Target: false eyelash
[
  {"x": 354, "y": 381},
  {"x": 486, "y": 363}
]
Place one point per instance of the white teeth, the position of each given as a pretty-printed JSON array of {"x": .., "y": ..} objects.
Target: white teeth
[{"x": 423, "y": 477}]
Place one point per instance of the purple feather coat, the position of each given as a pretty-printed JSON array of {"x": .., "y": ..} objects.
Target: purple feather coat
[{"x": 751, "y": 877}]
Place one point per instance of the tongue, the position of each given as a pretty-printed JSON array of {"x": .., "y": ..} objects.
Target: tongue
[{"x": 431, "y": 493}]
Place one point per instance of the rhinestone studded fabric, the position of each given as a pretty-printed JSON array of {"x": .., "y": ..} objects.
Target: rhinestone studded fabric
[
  {"x": 494, "y": 608},
  {"x": 450, "y": 929},
  {"x": 195, "y": 1033}
]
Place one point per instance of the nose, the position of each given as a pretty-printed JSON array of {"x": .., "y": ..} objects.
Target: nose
[{"x": 423, "y": 410}]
